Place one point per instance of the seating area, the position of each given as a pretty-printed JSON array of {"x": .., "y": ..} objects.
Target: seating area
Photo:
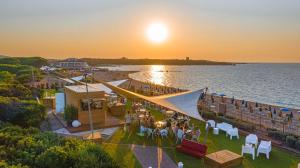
[
  {"x": 192, "y": 148},
  {"x": 175, "y": 125},
  {"x": 224, "y": 126},
  {"x": 182, "y": 146}
]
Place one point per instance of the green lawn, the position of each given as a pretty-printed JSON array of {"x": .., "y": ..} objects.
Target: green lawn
[{"x": 278, "y": 158}]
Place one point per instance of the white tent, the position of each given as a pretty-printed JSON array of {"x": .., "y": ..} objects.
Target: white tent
[{"x": 185, "y": 102}]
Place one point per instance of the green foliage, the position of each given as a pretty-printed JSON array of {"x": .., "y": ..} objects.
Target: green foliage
[
  {"x": 25, "y": 113},
  {"x": 14, "y": 90},
  {"x": 209, "y": 115},
  {"x": 23, "y": 72},
  {"x": 70, "y": 113},
  {"x": 55, "y": 156},
  {"x": 297, "y": 144},
  {"x": 9, "y": 60},
  {"x": 29, "y": 147},
  {"x": 3, "y": 164},
  {"x": 6, "y": 77},
  {"x": 32, "y": 61},
  {"x": 278, "y": 135}
]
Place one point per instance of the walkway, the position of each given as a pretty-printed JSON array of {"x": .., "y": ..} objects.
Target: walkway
[{"x": 150, "y": 156}]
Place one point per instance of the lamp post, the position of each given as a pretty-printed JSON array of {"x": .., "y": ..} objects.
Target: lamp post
[{"x": 89, "y": 106}]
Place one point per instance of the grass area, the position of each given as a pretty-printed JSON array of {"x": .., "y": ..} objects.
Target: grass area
[
  {"x": 122, "y": 154},
  {"x": 49, "y": 92},
  {"x": 278, "y": 157}
]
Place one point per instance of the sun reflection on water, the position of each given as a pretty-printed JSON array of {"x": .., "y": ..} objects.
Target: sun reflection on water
[{"x": 157, "y": 74}]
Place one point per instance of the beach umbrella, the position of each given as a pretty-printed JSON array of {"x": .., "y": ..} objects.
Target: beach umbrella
[
  {"x": 284, "y": 109},
  {"x": 222, "y": 94}
]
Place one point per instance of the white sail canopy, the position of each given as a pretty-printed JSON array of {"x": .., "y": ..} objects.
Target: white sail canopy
[{"x": 185, "y": 102}]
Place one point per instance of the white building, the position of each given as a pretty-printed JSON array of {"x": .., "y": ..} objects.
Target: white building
[{"x": 72, "y": 63}]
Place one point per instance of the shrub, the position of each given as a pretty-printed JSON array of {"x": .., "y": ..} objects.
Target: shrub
[
  {"x": 209, "y": 115},
  {"x": 297, "y": 144},
  {"x": 70, "y": 114},
  {"x": 32, "y": 148},
  {"x": 55, "y": 156},
  {"x": 244, "y": 126},
  {"x": 25, "y": 113},
  {"x": 291, "y": 141},
  {"x": 278, "y": 135}
]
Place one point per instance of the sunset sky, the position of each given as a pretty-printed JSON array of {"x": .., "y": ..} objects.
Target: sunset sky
[{"x": 221, "y": 30}]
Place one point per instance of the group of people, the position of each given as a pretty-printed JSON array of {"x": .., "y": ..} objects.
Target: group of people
[{"x": 182, "y": 129}]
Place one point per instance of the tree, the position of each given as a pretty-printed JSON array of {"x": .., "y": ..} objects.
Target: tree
[
  {"x": 22, "y": 148},
  {"x": 6, "y": 77},
  {"x": 9, "y": 60},
  {"x": 70, "y": 114},
  {"x": 25, "y": 113}
]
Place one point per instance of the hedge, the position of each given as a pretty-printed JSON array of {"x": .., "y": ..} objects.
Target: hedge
[
  {"x": 278, "y": 135},
  {"x": 291, "y": 141}
]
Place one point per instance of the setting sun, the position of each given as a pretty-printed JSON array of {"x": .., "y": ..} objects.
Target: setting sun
[{"x": 157, "y": 32}]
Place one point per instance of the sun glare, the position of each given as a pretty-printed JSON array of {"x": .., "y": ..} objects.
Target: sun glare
[{"x": 157, "y": 32}]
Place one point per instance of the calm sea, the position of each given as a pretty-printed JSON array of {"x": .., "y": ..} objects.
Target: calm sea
[{"x": 277, "y": 84}]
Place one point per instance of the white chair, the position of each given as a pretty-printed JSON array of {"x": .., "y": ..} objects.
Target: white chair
[
  {"x": 143, "y": 129},
  {"x": 252, "y": 139},
  {"x": 180, "y": 135},
  {"x": 216, "y": 131},
  {"x": 196, "y": 136},
  {"x": 150, "y": 133},
  {"x": 264, "y": 147},
  {"x": 248, "y": 149},
  {"x": 212, "y": 123},
  {"x": 234, "y": 132},
  {"x": 163, "y": 133}
]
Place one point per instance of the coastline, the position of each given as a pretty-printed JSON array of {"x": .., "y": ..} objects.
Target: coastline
[{"x": 111, "y": 75}]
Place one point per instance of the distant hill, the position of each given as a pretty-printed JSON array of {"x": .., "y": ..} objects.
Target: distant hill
[
  {"x": 3, "y": 56},
  {"x": 32, "y": 61},
  {"x": 125, "y": 61}
]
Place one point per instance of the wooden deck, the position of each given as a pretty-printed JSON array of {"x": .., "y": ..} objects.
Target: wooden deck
[{"x": 223, "y": 159}]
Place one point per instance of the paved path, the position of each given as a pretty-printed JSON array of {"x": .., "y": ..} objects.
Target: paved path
[{"x": 152, "y": 156}]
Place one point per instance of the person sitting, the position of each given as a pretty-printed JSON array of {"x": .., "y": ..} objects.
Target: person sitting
[
  {"x": 196, "y": 134},
  {"x": 185, "y": 126},
  {"x": 175, "y": 129},
  {"x": 192, "y": 127}
]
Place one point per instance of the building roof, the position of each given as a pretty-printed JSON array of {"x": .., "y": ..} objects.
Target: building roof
[
  {"x": 95, "y": 87},
  {"x": 82, "y": 88}
]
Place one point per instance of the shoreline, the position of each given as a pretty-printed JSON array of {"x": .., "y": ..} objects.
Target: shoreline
[{"x": 111, "y": 75}]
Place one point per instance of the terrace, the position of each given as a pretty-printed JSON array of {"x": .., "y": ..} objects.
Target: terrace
[{"x": 120, "y": 147}]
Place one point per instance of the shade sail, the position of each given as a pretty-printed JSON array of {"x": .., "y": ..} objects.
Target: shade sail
[{"x": 185, "y": 102}]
